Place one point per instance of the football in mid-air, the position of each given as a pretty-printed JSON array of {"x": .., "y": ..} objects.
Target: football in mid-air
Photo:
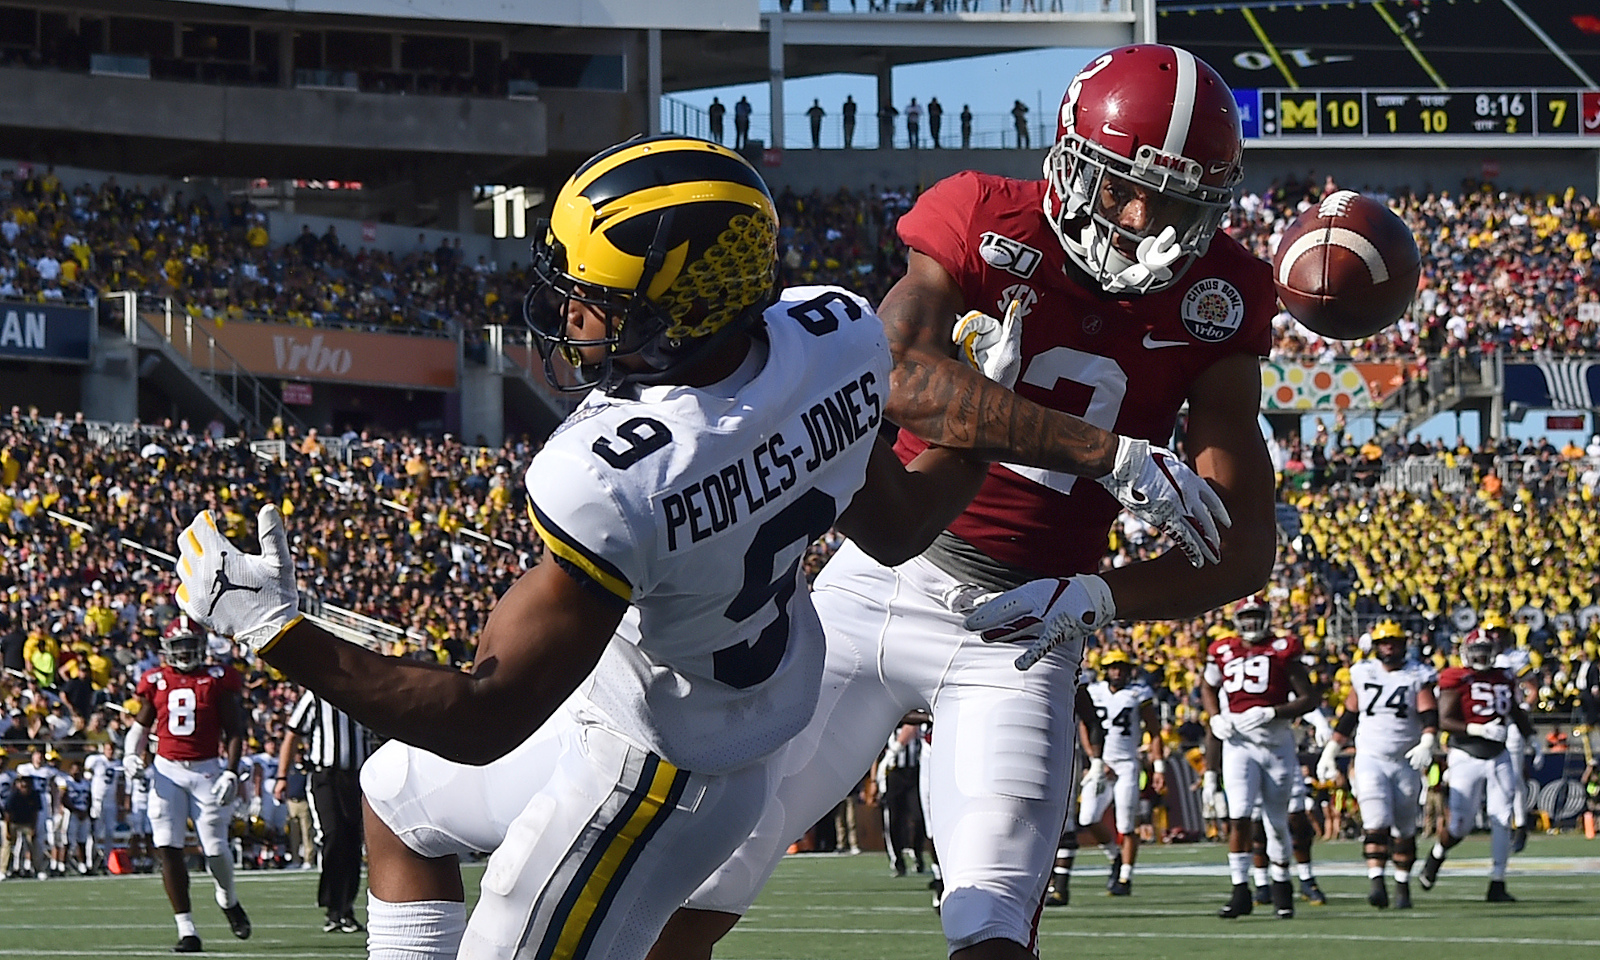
[{"x": 1347, "y": 267}]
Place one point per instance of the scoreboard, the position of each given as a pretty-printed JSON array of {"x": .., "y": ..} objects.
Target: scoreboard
[{"x": 1517, "y": 113}]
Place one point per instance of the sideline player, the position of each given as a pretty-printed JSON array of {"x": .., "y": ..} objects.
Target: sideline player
[
  {"x": 1477, "y": 706},
  {"x": 608, "y": 739},
  {"x": 190, "y": 708},
  {"x": 1128, "y": 302},
  {"x": 104, "y": 771},
  {"x": 1394, "y": 717},
  {"x": 1254, "y": 685},
  {"x": 1126, "y": 709}
]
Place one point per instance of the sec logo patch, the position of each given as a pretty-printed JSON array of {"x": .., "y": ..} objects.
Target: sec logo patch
[{"x": 1212, "y": 310}]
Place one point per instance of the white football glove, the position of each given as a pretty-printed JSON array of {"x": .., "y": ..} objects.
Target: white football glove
[
  {"x": 133, "y": 766},
  {"x": 1421, "y": 756},
  {"x": 1328, "y": 763},
  {"x": 1212, "y": 794},
  {"x": 1493, "y": 730},
  {"x": 1095, "y": 778},
  {"x": 1221, "y": 726},
  {"x": 1046, "y": 614},
  {"x": 1321, "y": 728},
  {"x": 993, "y": 347},
  {"x": 1158, "y": 488},
  {"x": 1253, "y": 718},
  {"x": 249, "y": 597},
  {"x": 225, "y": 789}
]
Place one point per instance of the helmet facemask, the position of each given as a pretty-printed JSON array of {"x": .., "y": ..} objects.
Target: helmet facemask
[
  {"x": 184, "y": 652},
  {"x": 1477, "y": 653},
  {"x": 1089, "y": 184}
]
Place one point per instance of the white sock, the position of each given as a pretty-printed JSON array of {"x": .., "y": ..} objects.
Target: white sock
[
  {"x": 221, "y": 867},
  {"x": 1499, "y": 851},
  {"x": 1438, "y": 851},
  {"x": 1279, "y": 872},
  {"x": 1260, "y": 875},
  {"x": 1304, "y": 869},
  {"x": 1126, "y": 873},
  {"x": 1238, "y": 867},
  {"x": 1374, "y": 872},
  {"x": 1402, "y": 876},
  {"x": 185, "y": 925},
  {"x": 417, "y": 930}
]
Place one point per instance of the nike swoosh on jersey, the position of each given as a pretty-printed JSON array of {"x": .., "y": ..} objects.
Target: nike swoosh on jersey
[{"x": 1151, "y": 343}]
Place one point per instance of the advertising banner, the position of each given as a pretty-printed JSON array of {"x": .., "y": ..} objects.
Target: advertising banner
[
  {"x": 1342, "y": 385},
  {"x": 283, "y": 351},
  {"x": 38, "y": 331}
]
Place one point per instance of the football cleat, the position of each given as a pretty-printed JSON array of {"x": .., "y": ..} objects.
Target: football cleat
[
  {"x": 189, "y": 944},
  {"x": 1313, "y": 893},
  {"x": 1264, "y": 895},
  {"x": 1519, "y": 839},
  {"x": 1378, "y": 896},
  {"x": 1283, "y": 899},
  {"x": 1059, "y": 893},
  {"x": 238, "y": 920},
  {"x": 1122, "y": 888},
  {"x": 1402, "y": 896},
  {"x": 350, "y": 925},
  {"x": 1497, "y": 893},
  {"x": 1430, "y": 872},
  {"x": 330, "y": 925},
  {"x": 1239, "y": 905},
  {"x": 1116, "y": 870}
]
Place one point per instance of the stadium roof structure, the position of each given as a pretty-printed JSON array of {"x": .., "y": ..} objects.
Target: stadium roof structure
[{"x": 1391, "y": 43}]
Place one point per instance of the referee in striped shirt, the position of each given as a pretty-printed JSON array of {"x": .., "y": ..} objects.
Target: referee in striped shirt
[{"x": 336, "y": 747}]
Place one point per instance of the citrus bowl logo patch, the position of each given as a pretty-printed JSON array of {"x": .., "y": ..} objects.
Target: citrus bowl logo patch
[{"x": 1212, "y": 310}]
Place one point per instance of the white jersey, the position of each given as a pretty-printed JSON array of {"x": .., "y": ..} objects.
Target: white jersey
[
  {"x": 102, "y": 772},
  {"x": 695, "y": 506},
  {"x": 1514, "y": 661},
  {"x": 1119, "y": 715},
  {"x": 1387, "y": 700}
]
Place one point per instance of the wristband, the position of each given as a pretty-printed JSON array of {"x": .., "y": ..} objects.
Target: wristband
[{"x": 1158, "y": 766}]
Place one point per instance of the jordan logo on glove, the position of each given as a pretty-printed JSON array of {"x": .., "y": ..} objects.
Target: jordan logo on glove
[{"x": 222, "y": 585}]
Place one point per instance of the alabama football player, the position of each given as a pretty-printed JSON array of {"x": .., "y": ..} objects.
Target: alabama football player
[
  {"x": 190, "y": 709},
  {"x": 1477, "y": 707},
  {"x": 1394, "y": 719},
  {"x": 608, "y": 746},
  {"x": 1517, "y": 662},
  {"x": 1126, "y": 709},
  {"x": 1126, "y": 302},
  {"x": 1254, "y": 685}
]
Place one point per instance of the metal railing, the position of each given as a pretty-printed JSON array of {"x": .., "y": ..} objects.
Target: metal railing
[{"x": 210, "y": 362}]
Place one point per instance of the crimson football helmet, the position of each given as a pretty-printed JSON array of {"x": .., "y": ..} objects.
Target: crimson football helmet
[
  {"x": 1146, "y": 159},
  {"x": 1478, "y": 648},
  {"x": 183, "y": 644},
  {"x": 1251, "y": 618}
]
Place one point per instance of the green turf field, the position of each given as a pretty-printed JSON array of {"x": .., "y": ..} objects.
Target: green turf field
[{"x": 850, "y": 908}]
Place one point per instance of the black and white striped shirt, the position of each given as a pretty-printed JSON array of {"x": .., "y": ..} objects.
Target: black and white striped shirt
[{"x": 333, "y": 740}]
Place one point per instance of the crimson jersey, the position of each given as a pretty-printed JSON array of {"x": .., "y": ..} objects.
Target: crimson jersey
[
  {"x": 1125, "y": 365},
  {"x": 189, "y": 708},
  {"x": 1252, "y": 675},
  {"x": 1486, "y": 695}
]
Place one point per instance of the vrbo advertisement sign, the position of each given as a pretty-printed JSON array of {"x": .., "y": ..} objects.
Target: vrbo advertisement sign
[
  {"x": 37, "y": 331},
  {"x": 343, "y": 356}
]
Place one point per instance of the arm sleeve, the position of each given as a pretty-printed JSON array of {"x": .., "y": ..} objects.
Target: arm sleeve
[{"x": 302, "y": 716}]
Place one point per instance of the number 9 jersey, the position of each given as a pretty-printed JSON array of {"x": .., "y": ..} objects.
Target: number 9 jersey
[
  {"x": 189, "y": 708},
  {"x": 694, "y": 507}
]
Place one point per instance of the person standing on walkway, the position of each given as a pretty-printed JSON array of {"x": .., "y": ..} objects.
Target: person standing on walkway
[
  {"x": 935, "y": 120},
  {"x": 815, "y": 115},
  {"x": 715, "y": 113},
  {"x": 966, "y": 126},
  {"x": 848, "y": 111},
  {"x": 741, "y": 123},
  {"x": 1019, "y": 116},
  {"x": 914, "y": 123}
]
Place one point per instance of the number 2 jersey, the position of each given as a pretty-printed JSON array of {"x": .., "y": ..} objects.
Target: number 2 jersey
[
  {"x": 1486, "y": 695},
  {"x": 1387, "y": 699},
  {"x": 1119, "y": 715},
  {"x": 693, "y": 507},
  {"x": 1126, "y": 365},
  {"x": 189, "y": 708}
]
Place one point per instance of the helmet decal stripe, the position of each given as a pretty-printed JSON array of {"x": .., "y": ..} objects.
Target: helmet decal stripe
[{"x": 1182, "y": 103}]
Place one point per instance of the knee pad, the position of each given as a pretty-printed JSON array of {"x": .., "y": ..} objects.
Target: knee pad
[
  {"x": 1301, "y": 831},
  {"x": 1258, "y": 837},
  {"x": 1375, "y": 844}
]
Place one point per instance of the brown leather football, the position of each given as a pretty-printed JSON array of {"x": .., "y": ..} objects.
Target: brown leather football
[{"x": 1347, "y": 267}]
